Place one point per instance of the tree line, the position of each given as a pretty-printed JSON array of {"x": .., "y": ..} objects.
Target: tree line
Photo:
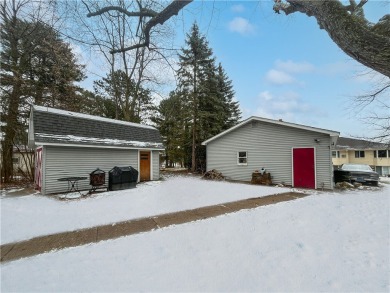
[
  {"x": 202, "y": 105},
  {"x": 38, "y": 66}
]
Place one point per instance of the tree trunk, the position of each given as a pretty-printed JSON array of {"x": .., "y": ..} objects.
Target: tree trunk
[
  {"x": 195, "y": 109},
  {"x": 193, "y": 154},
  {"x": 10, "y": 133},
  {"x": 12, "y": 108}
]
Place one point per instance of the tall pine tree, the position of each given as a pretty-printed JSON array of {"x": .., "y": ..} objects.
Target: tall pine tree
[
  {"x": 194, "y": 61},
  {"x": 231, "y": 110},
  {"x": 171, "y": 122},
  {"x": 37, "y": 66},
  {"x": 204, "y": 102}
]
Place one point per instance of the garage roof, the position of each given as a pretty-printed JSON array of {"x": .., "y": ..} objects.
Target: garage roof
[
  {"x": 49, "y": 126},
  {"x": 277, "y": 122}
]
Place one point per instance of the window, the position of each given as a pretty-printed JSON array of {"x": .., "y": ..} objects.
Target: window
[
  {"x": 15, "y": 160},
  {"x": 382, "y": 153},
  {"x": 242, "y": 158},
  {"x": 335, "y": 154},
  {"x": 359, "y": 154}
]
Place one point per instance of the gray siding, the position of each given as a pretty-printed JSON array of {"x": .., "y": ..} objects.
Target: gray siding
[
  {"x": 270, "y": 146},
  {"x": 156, "y": 165},
  {"x": 73, "y": 161}
]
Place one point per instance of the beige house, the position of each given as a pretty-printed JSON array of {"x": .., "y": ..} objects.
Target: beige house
[
  {"x": 23, "y": 160},
  {"x": 357, "y": 151}
]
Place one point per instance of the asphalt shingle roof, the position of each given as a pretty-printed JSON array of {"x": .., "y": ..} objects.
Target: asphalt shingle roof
[
  {"x": 65, "y": 127},
  {"x": 358, "y": 144}
]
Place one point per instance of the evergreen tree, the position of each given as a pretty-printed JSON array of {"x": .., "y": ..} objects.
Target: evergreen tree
[
  {"x": 231, "y": 111},
  {"x": 195, "y": 59},
  {"x": 36, "y": 67},
  {"x": 96, "y": 105},
  {"x": 203, "y": 104},
  {"x": 171, "y": 123},
  {"x": 132, "y": 102}
]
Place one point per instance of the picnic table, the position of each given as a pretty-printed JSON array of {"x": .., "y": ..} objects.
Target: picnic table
[{"x": 72, "y": 182}]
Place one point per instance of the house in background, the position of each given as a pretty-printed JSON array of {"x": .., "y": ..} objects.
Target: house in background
[
  {"x": 358, "y": 151},
  {"x": 72, "y": 144},
  {"x": 23, "y": 161},
  {"x": 293, "y": 154}
]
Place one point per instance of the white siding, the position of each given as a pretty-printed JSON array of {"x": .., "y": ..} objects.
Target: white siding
[
  {"x": 72, "y": 161},
  {"x": 269, "y": 146},
  {"x": 156, "y": 165}
]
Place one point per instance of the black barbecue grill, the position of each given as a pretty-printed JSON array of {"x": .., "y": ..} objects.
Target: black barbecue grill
[{"x": 122, "y": 178}]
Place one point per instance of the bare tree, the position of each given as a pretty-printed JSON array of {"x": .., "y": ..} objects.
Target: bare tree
[
  {"x": 110, "y": 30},
  {"x": 155, "y": 18},
  {"x": 373, "y": 108},
  {"x": 367, "y": 43}
]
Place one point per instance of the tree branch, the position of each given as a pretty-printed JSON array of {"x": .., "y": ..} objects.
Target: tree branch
[
  {"x": 362, "y": 2},
  {"x": 143, "y": 12},
  {"x": 157, "y": 18},
  {"x": 352, "y": 7}
]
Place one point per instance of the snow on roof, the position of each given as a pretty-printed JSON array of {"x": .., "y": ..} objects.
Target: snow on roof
[
  {"x": 93, "y": 140},
  {"x": 91, "y": 117}
]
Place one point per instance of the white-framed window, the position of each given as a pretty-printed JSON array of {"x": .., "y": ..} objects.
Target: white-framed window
[
  {"x": 359, "y": 154},
  {"x": 242, "y": 158},
  {"x": 15, "y": 160},
  {"x": 382, "y": 153},
  {"x": 335, "y": 154}
]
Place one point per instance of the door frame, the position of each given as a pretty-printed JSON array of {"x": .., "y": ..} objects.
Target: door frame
[
  {"x": 38, "y": 168},
  {"x": 150, "y": 162},
  {"x": 315, "y": 164}
]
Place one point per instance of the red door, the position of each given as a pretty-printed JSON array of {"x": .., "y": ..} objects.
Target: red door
[{"x": 304, "y": 173}]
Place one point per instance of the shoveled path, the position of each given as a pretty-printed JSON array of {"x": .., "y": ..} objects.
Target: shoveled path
[{"x": 38, "y": 245}]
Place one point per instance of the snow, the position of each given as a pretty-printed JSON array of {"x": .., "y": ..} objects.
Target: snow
[
  {"x": 83, "y": 139},
  {"x": 30, "y": 216},
  {"x": 91, "y": 117},
  {"x": 329, "y": 241},
  {"x": 11, "y": 191}
]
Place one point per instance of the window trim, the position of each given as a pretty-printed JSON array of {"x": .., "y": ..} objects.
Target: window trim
[
  {"x": 337, "y": 156},
  {"x": 238, "y": 158},
  {"x": 358, "y": 154}
]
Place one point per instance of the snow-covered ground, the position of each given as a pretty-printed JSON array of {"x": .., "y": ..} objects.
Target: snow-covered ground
[
  {"x": 330, "y": 241},
  {"x": 30, "y": 216}
]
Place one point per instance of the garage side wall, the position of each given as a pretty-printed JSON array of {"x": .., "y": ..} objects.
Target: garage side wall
[
  {"x": 80, "y": 162},
  {"x": 156, "y": 165},
  {"x": 270, "y": 146}
]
